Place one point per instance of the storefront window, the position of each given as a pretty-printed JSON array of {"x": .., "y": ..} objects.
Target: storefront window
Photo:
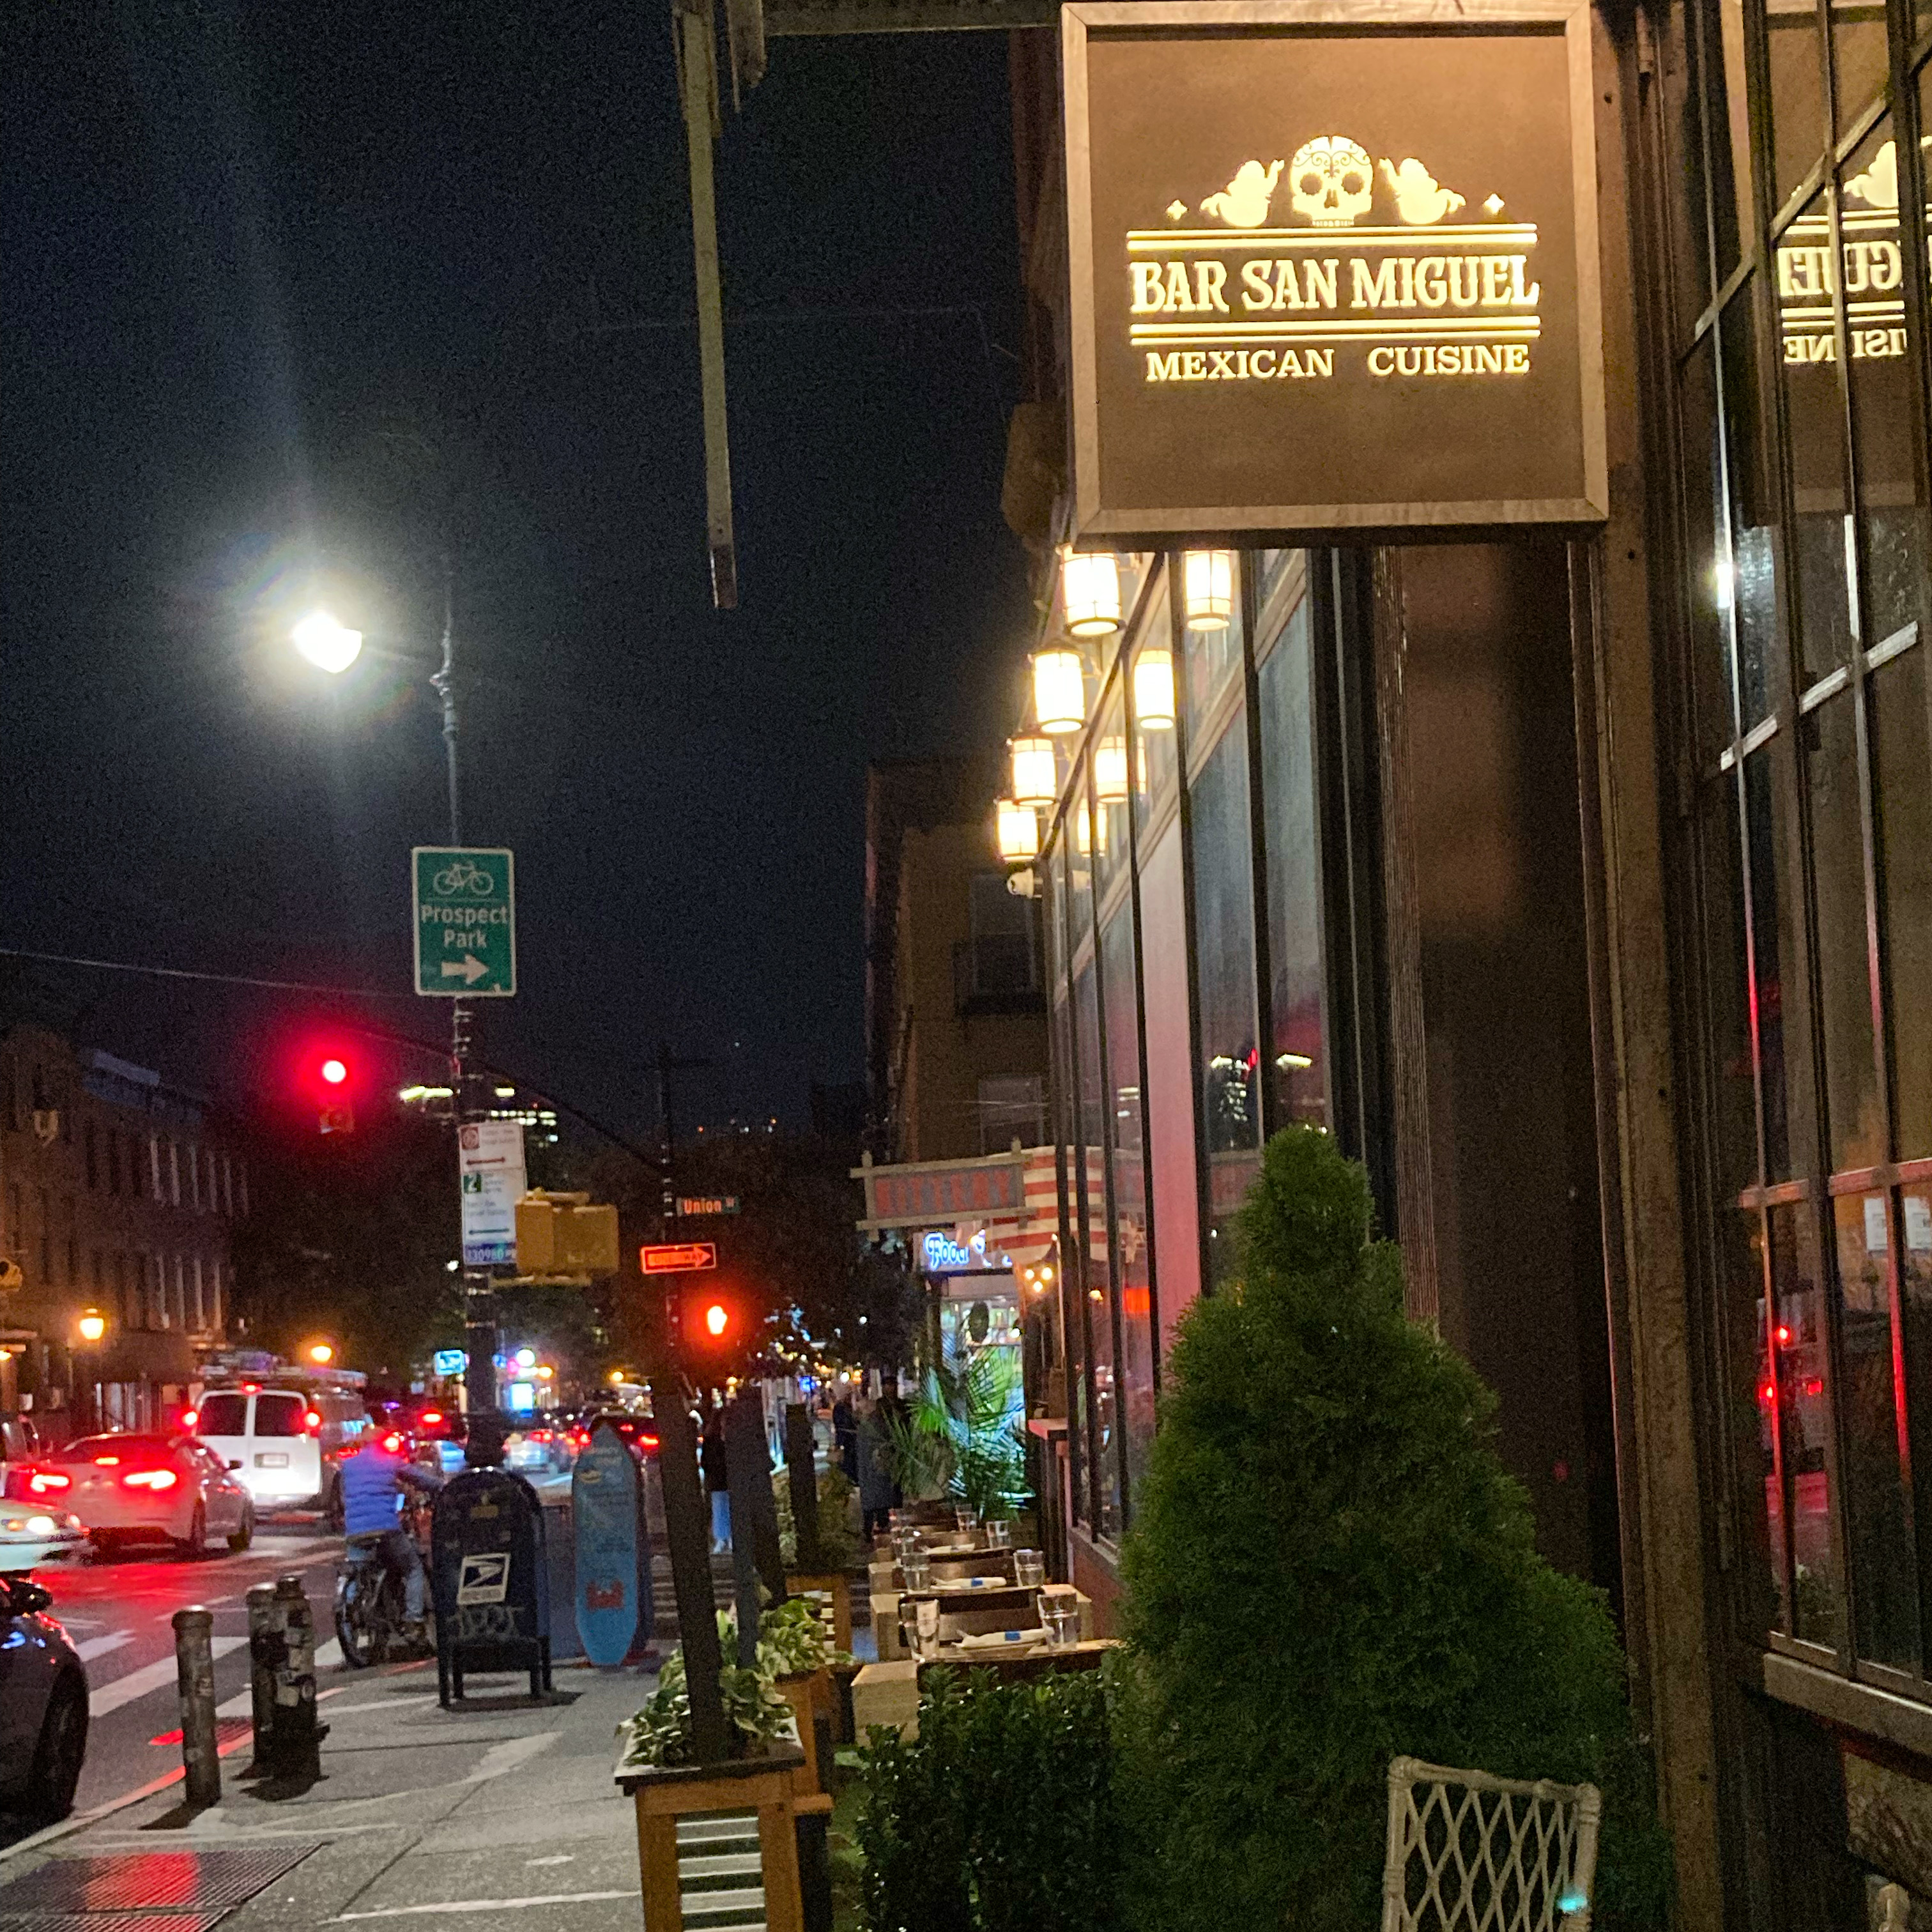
[
  {"x": 1227, "y": 1048},
  {"x": 1297, "y": 1058},
  {"x": 1156, "y": 761},
  {"x": 1815, "y": 864},
  {"x": 1110, "y": 797},
  {"x": 1103, "y": 1497},
  {"x": 1213, "y": 660},
  {"x": 1133, "y": 1280}
]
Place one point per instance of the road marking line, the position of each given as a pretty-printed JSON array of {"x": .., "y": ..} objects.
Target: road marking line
[
  {"x": 99, "y": 1646},
  {"x": 488, "y": 1904},
  {"x": 386, "y": 1703},
  {"x": 150, "y": 1678}
]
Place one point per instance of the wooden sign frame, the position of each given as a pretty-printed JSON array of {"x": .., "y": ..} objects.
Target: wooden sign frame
[{"x": 1099, "y": 524}]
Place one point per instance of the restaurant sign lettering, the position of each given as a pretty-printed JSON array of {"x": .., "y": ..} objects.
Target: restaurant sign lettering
[{"x": 1331, "y": 270}]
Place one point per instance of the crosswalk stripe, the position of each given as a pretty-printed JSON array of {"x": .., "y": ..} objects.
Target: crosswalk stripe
[{"x": 150, "y": 1678}]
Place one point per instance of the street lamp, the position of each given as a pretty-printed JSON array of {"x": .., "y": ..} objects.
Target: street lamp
[
  {"x": 1059, "y": 689},
  {"x": 327, "y": 645},
  {"x": 1036, "y": 771},
  {"x": 320, "y": 1353},
  {"x": 1207, "y": 588},
  {"x": 92, "y": 1328},
  {"x": 1089, "y": 590},
  {"x": 1153, "y": 688},
  {"x": 1015, "y": 831}
]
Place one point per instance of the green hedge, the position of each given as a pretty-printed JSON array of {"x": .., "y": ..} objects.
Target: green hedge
[{"x": 999, "y": 1816}]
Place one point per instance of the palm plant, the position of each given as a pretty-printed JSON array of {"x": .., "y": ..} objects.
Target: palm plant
[{"x": 957, "y": 1437}]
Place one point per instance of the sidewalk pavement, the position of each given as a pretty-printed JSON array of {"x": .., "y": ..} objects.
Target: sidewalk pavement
[{"x": 506, "y": 1812}]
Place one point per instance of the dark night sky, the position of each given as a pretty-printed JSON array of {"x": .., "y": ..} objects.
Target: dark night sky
[{"x": 238, "y": 239}]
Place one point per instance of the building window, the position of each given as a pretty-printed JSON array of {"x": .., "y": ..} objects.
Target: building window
[
  {"x": 228, "y": 1186},
  {"x": 174, "y": 1174},
  {"x": 998, "y": 962},
  {"x": 90, "y": 1143},
  {"x": 1103, "y": 1449},
  {"x": 194, "y": 1178},
  {"x": 1297, "y": 1072},
  {"x": 1130, "y": 1241},
  {"x": 155, "y": 1166},
  {"x": 1227, "y": 1047},
  {"x": 1806, "y": 703},
  {"x": 46, "y": 1207}
]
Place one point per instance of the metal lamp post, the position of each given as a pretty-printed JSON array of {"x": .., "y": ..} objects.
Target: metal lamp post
[{"x": 333, "y": 647}]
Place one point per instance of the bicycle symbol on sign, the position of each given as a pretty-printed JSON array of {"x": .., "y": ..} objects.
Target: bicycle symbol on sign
[{"x": 465, "y": 876}]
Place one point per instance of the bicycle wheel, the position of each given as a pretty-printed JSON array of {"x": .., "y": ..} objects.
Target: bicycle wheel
[{"x": 352, "y": 1623}]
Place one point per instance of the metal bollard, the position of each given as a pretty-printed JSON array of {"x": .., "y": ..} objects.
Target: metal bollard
[
  {"x": 194, "y": 1677},
  {"x": 296, "y": 1746},
  {"x": 266, "y": 1650}
]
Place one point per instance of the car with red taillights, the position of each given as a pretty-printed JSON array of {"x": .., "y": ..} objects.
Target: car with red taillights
[{"x": 127, "y": 1487}]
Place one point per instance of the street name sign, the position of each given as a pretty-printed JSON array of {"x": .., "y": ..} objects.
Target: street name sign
[
  {"x": 1333, "y": 269},
  {"x": 464, "y": 906},
  {"x": 678, "y": 1257},
  {"x": 690, "y": 1205}
]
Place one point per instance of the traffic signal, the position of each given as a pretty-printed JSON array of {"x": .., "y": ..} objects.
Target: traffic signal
[
  {"x": 707, "y": 1320},
  {"x": 330, "y": 1081}
]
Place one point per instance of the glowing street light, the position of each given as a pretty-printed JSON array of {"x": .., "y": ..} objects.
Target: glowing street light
[
  {"x": 327, "y": 644},
  {"x": 320, "y": 1353},
  {"x": 92, "y": 1324}
]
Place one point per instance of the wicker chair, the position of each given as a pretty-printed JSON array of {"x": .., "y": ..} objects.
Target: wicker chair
[{"x": 1469, "y": 1852}]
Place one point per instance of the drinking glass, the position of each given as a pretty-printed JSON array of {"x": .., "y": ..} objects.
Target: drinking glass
[{"x": 1029, "y": 1569}]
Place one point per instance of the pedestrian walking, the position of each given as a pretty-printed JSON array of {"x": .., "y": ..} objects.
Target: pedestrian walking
[
  {"x": 878, "y": 1494},
  {"x": 845, "y": 1436},
  {"x": 717, "y": 1482}
]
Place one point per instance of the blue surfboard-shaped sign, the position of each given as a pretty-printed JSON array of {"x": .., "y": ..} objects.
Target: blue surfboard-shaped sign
[{"x": 612, "y": 1563}]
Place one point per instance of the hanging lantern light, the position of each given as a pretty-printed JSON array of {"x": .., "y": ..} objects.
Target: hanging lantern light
[
  {"x": 1036, "y": 771},
  {"x": 1015, "y": 831},
  {"x": 1089, "y": 590},
  {"x": 1110, "y": 771},
  {"x": 1207, "y": 588},
  {"x": 1153, "y": 689},
  {"x": 1059, "y": 689}
]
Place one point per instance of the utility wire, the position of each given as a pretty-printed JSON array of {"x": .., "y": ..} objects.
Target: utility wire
[
  {"x": 217, "y": 979},
  {"x": 596, "y": 1126}
]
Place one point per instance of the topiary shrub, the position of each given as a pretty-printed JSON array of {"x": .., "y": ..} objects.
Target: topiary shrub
[{"x": 1329, "y": 1566}]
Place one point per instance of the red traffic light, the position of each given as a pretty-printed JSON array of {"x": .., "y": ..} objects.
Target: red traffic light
[
  {"x": 334, "y": 1072},
  {"x": 707, "y": 1319}
]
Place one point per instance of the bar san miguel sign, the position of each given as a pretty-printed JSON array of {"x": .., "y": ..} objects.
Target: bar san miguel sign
[{"x": 1333, "y": 269}]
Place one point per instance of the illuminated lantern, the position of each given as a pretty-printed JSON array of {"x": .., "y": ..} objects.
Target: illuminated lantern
[
  {"x": 1153, "y": 689},
  {"x": 1036, "y": 771},
  {"x": 1089, "y": 592},
  {"x": 1207, "y": 588},
  {"x": 1059, "y": 689},
  {"x": 1110, "y": 771},
  {"x": 1016, "y": 831}
]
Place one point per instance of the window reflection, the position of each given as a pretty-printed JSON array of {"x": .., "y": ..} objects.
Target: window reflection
[
  {"x": 1870, "y": 1414},
  {"x": 1767, "y": 1605},
  {"x": 1298, "y": 1057},
  {"x": 1844, "y": 979},
  {"x": 1902, "y": 793},
  {"x": 1132, "y": 1272},
  {"x": 1773, "y": 941},
  {"x": 1228, "y": 1049},
  {"x": 1796, "y": 1394},
  {"x": 1104, "y": 1495},
  {"x": 1748, "y": 580}
]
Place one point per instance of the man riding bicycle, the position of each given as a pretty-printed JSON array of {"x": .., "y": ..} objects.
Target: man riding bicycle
[{"x": 374, "y": 1479}]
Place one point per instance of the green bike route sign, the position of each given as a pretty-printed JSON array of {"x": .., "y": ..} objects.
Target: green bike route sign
[{"x": 464, "y": 904}]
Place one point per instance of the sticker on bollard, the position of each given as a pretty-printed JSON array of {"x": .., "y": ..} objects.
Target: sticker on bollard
[
  {"x": 491, "y": 1580},
  {"x": 613, "y": 1555}
]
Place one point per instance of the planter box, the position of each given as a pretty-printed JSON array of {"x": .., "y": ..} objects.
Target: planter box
[
  {"x": 887, "y": 1694},
  {"x": 711, "y": 1837}
]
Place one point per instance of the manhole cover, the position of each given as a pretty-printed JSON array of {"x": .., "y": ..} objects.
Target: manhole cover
[
  {"x": 150, "y": 1882},
  {"x": 110, "y": 1921}
]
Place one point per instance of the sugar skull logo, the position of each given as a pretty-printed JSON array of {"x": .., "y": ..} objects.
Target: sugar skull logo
[{"x": 1332, "y": 181}]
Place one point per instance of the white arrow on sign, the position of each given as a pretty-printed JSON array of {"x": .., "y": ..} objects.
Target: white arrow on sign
[{"x": 469, "y": 969}]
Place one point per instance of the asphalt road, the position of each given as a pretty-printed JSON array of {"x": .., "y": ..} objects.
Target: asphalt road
[{"x": 117, "y": 1611}]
